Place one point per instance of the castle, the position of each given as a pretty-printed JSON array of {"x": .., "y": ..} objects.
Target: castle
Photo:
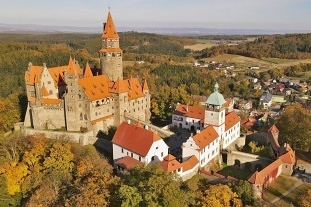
[{"x": 72, "y": 99}]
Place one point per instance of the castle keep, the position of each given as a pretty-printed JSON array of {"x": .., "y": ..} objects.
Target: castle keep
[{"x": 74, "y": 99}]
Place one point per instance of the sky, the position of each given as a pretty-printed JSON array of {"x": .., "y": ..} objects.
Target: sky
[{"x": 219, "y": 14}]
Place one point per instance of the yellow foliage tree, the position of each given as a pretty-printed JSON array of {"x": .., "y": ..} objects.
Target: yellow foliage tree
[
  {"x": 15, "y": 175},
  {"x": 220, "y": 196}
]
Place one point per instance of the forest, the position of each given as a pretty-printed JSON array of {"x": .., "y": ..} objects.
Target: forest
[
  {"x": 292, "y": 46},
  {"x": 35, "y": 171},
  {"x": 167, "y": 65}
]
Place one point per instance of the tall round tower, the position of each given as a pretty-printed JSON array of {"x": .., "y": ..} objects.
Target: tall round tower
[{"x": 111, "y": 54}]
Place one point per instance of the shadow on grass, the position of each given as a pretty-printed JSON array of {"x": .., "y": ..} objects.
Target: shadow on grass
[{"x": 235, "y": 172}]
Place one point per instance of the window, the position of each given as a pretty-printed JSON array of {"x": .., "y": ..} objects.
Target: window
[
  {"x": 50, "y": 92},
  {"x": 152, "y": 158},
  {"x": 161, "y": 154},
  {"x": 122, "y": 150},
  {"x": 139, "y": 158},
  {"x": 131, "y": 154},
  {"x": 49, "y": 82}
]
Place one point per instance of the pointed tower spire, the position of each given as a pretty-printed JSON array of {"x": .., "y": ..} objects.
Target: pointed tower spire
[
  {"x": 72, "y": 67},
  {"x": 216, "y": 87},
  {"x": 88, "y": 71},
  {"x": 109, "y": 28},
  {"x": 111, "y": 54}
]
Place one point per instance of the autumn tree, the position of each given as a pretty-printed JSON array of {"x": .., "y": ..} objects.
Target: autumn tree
[
  {"x": 294, "y": 125},
  {"x": 46, "y": 172},
  {"x": 151, "y": 186},
  {"x": 244, "y": 191},
  {"x": 220, "y": 196}
]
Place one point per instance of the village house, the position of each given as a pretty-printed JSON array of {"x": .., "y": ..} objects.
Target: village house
[
  {"x": 134, "y": 145},
  {"x": 266, "y": 100},
  {"x": 215, "y": 128}
]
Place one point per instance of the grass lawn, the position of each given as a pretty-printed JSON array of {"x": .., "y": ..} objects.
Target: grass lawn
[
  {"x": 278, "y": 187},
  {"x": 235, "y": 172},
  {"x": 293, "y": 197}
]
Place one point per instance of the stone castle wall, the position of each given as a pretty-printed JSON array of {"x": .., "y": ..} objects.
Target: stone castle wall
[{"x": 78, "y": 137}]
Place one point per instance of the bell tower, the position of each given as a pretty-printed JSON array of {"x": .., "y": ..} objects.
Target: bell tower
[
  {"x": 111, "y": 54},
  {"x": 214, "y": 111}
]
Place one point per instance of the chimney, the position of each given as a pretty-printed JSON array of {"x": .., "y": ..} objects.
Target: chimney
[
  {"x": 198, "y": 131},
  {"x": 128, "y": 121},
  {"x": 187, "y": 108},
  {"x": 146, "y": 127}
]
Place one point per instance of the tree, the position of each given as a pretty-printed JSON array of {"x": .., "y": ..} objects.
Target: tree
[
  {"x": 94, "y": 184},
  {"x": 220, "y": 196},
  {"x": 156, "y": 187},
  {"x": 244, "y": 190},
  {"x": 129, "y": 196},
  {"x": 294, "y": 125}
]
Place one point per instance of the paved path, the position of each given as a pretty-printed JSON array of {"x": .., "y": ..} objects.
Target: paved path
[{"x": 288, "y": 192}]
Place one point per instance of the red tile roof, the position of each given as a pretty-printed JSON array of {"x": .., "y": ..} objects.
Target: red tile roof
[
  {"x": 135, "y": 89},
  {"x": 266, "y": 173},
  {"x": 32, "y": 99},
  {"x": 73, "y": 68},
  {"x": 111, "y": 50},
  {"x": 101, "y": 119},
  {"x": 110, "y": 29},
  {"x": 119, "y": 87},
  {"x": 33, "y": 75},
  {"x": 132, "y": 86},
  {"x": 256, "y": 178},
  {"x": 135, "y": 139},
  {"x": 57, "y": 74},
  {"x": 205, "y": 137},
  {"x": 196, "y": 112},
  {"x": 170, "y": 164},
  {"x": 95, "y": 87},
  {"x": 44, "y": 91},
  {"x": 88, "y": 71},
  {"x": 128, "y": 163},
  {"x": 289, "y": 157},
  {"x": 231, "y": 119},
  {"x": 190, "y": 163},
  {"x": 50, "y": 101}
]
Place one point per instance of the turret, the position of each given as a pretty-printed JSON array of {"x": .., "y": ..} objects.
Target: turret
[
  {"x": 215, "y": 111},
  {"x": 111, "y": 54}
]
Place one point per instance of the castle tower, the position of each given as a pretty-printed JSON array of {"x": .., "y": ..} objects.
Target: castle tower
[
  {"x": 111, "y": 54},
  {"x": 215, "y": 111},
  {"x": 72, "y": 97}
]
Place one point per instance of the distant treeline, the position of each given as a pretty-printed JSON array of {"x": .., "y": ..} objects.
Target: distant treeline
[
  {"x": 293, "y": 46},
  {"x": 223, "y": 37}
]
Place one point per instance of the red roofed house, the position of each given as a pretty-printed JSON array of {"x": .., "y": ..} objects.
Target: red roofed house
[
  {"x": 188, "y": 117},
  {"x": 282, "y": 165},
  {"x": 220, "y": 131},
  {"x": 133, "y": 144},
  {"x": 68, "y": 97},
  {"x": 185, "y": 169}
]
